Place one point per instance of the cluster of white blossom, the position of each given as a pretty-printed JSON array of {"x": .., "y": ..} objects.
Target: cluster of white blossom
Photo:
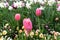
[
  {"x": 17, "y": 4},
  {"x": 51, "y": 2},
  {"x": 4, "y": 5},
  {"x": 27, "y": 4}
]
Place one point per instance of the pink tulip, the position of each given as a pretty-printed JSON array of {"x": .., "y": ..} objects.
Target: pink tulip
[
  {"x": 17, "y": 17},
  {"x": 27, "y": 25},
  {"x": 38, "y": 12}
]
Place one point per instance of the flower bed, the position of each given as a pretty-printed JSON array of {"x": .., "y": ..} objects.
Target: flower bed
[{"x": 30, "y": 20}]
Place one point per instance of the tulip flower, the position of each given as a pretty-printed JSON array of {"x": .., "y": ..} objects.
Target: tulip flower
[
  {"x": 27, "y": 26},
  {"x": 17, "y": 17},
  {"x": 38, "y": 12}
]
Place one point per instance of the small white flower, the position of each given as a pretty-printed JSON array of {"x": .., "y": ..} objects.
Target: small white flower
[
  {"x": 6, "y": 4},
  {"x": 25, "y": 0},
  {"x": 41, "y": 35},
  {"x": 9, "y": 38},
  {"x": 58, "y": 2},
  {"x": 15, "y": 4},
  {"x": 10, "y": 8},
  {"x": 40, "y": 1},
  {"x": 4, "y": 32},
  {"x": 45, "y": 0},
  {"x": 35, "y": 1},
  {"x": 20, "y": 4},
  {"x": 1, "y": 38},
  {"x": 28, "y": 5},
  {"x": 7, "y": 24},
  {"x": 31, "y": 1},
  {"x": 51, "y": 2},
  {"x": 42, "y": 8},
  {"x": 5, "y": 36},
  {"x": 5, "y": 0},
  {"x": 32, "y": 34},
  {"x": 2, "y": 5}
]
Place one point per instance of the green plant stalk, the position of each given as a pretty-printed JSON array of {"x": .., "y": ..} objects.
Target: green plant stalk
[
  {"x": 25, "y": 38},
  {"x": 18, "y": 24},
  {"x": 38, "y": 22}
]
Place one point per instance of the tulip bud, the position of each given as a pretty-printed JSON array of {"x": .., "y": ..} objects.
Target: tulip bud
[
  {"x": 17, "y": 17},
  {"x": 38, "y": 12}
]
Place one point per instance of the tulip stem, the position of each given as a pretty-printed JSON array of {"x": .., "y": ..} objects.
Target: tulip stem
[
  {"x": 17, "y": 23},
  {"x": 39, "y": 22},
  {"x": 25, "y": 38}
]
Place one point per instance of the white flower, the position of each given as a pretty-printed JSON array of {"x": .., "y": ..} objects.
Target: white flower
[
  {"x": 5, "y": 36},
  {"x": 25, "y": 0},
  {"x": 0, "y": 33},
  {"x": 10, "y": 8},
  {"x": 15, "y": 4},
  {"x": 6, "y": 25},
  {"x": 37, "y": 30},
  {"x": 40, "y": 1},
  {"x": 4, "y": 32},
  {"x": 1, "y": 38},
  {"x": 45, "y": 0},
  {"x": 28, "y": 5},
  {"x": 32, "y": 34},
  {"x": 51, "y": 2},
  {"x": 6, "y": 4},
  {"x": 31, "y": 1},
  {"x": 42, "y": 8},
  {"x": 2, "y": 5},
  {"x": 9, "y": 38},
  {"x": 5, "y": 0},
  {"x": 58, "y": 2},
  {"x": 41, "y": 35},
  {"x": 35, "y": 1},
  {"x": 20, "y": 4}
]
